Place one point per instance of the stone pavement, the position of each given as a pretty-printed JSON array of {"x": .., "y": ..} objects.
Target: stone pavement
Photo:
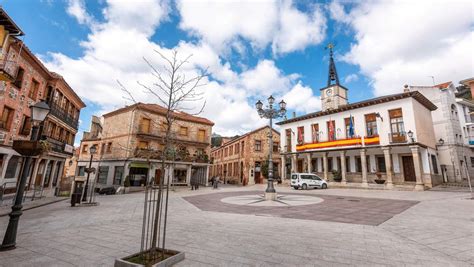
[{"x": 437, "y": 231}]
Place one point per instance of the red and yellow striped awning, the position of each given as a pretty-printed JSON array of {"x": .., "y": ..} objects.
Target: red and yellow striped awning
[{"x": 338, "y": 143}]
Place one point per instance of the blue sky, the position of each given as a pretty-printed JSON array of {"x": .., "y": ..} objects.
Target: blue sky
[{"x": 252, "y": 49}]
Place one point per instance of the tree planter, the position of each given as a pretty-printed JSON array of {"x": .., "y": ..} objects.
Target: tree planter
[
  {"x": 379, "y": 181},
  {"x": 138, "y": 259}
]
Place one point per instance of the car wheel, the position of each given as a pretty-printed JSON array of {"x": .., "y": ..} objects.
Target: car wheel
[
  {"x": 295, "y": 187},
  {"x": 324, "y": 186},
  {"x": 305, "y": 186}
]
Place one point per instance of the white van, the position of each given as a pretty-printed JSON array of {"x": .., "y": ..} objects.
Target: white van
[{"x": 307, "y": 180}]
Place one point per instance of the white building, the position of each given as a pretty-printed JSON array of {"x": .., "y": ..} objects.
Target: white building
[
  {"x": 392, "y": 138},
  {"x": 454, "y": 131}
]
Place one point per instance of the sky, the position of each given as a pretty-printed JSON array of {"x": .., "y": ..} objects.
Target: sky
[{"x": 250, "y": 49}]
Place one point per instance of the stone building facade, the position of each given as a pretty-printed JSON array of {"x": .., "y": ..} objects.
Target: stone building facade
[
  {"x": 24, "y": 80},
  {"x": 240, "y": 160},
  {"x": 454, "y": 131},
  {"x": 130, "y": 142}
]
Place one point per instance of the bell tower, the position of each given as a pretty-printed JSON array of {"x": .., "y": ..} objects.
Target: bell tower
[{"x": 333, "y": 95}]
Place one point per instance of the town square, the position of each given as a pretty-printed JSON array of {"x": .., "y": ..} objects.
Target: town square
[{"x": 236, "y": 133}]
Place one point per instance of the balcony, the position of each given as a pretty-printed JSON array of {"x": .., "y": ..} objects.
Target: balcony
[
  {"x": 343, "y": 142},
  {"x": 61, "y": 114},
  {"x": 7, "y": 70},
  {"x": 58, "y": 145},
  {"x": 397, "y": 138}
]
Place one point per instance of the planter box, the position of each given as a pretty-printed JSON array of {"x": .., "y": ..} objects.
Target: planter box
[
  {"x": 379, "y": 181},
  {"x": 171, "y": 260}
]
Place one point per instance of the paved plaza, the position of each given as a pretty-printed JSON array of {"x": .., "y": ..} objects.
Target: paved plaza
[{"x": 349, "y": 227}]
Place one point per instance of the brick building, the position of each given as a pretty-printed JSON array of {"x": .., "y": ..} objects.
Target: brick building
[
  {"x": 24, "y": 80},
  {"x": 130, "y": 142},
  {"x": 241, "y": 158}
]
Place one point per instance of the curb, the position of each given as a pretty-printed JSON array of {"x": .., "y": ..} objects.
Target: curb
[{"x": 37, "y": 206}]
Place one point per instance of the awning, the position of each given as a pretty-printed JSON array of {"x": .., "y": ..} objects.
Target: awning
[{"x": 139, "y": 165}]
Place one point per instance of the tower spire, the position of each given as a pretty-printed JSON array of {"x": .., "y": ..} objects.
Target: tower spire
[{"x": 332, "y": 75}]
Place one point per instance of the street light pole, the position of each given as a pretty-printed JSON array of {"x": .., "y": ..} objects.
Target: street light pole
[
  {"x": 39, "y": 111},
  {"x": 92, "y": 151},
  {"x": 270, "y": 113}
]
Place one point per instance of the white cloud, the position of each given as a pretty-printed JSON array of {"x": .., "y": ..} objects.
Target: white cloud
[
  {"x": 401, "y": 42},
  {"x": 114, "y": 50},
  {"x": 301, "y": 99},
  {"x": 77, "y": 9},
  {"x": 351, "y": 78},
  {"x": 280, "y": 23},
  {"x": 297, "y": 30}
]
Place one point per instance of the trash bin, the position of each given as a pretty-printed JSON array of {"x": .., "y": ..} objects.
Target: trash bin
[{"x": 75, "y": 198}]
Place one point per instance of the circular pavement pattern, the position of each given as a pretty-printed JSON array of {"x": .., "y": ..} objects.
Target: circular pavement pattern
[{"x": 282, "y": 200}]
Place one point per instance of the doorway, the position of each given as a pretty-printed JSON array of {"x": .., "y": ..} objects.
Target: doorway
[
  {"x": 300, "y": 165},
  {"x": 157, "y": 176},
  {"x": 408, "y": 169}
]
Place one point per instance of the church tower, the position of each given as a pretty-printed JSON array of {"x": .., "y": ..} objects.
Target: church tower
[{"x": 333, "y": 95}]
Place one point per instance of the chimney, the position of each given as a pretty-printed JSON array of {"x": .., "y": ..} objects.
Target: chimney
[
  {"x": 294, "y": 114},
  {"x": 406, "y": 89}
]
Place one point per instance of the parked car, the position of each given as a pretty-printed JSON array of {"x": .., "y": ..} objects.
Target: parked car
[
  {"x": 110, "y": 190},
  {"x": 307, "y": 180}
]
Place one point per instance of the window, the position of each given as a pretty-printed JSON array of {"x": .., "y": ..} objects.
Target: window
[
  {"x": 81, "y": 170},
  {"x": 288, "y": 140},
  {"x": 201, "y": 135},
  {"x": 331, "y": 130},
  {"x": 330, "y": 165},
  {"x": 294, "y": 177},
  {"x": 454, "y": 112},
  {"x": 237, "y": 148},
  {"x": 231, "y": 150},
  {"x": 109, "y": 147},
  {"x": 226, "y": 152},
  {"x": 19, "y": 77},
  {"x": 396, "y": 125},
  {"x": 371, "y": 124},
  {"x": 102, "y": 149},
  {"x": 242, "y": 146},
  {"x": 381, "y": 164},
  {"x": 26, "y": 126},
  {"x": 118, "y": 175},
  {"x": 84, "y": 149},
  {"x": 300, "y": 135},
  {"x": 315, "y": 133},
  {"x": 236, "y": 171},
  {"x": 33, "y": 89},
  {"x": 258, "y": 145},
  {"x": 12, "y": 167},
  {"x": 435, "y": 164},
  {"x": 7, "y": 118},
  {"x": 143, "y": 145},
  {"x": 359, "y": 163},
  {"x": 103, "y": 173},
  {"x": 348, "y": 164},
  {"x": 349, "y": 123},
  {"x": 144, "y": 126},
  {"x": 183, "y": 131},
  {"x": 275, "y": 147}
]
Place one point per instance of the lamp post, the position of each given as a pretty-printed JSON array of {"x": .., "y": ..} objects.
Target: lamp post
[
  {"x": 270, "y": 113},
  {"x": 92, "y": 151},
  {"x": 410, "y": 135},
  {"x": 39, "y": 111}
]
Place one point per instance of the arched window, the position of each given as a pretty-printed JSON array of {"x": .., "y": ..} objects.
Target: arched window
[{"x": 454, "y": 112}]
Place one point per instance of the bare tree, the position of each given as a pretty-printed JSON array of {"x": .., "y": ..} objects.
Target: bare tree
[{"x": 177, "y": 93}]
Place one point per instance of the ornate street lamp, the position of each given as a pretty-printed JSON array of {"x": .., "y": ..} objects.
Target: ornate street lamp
[
  {"x": 270, "y": 113},
  {"x": 39, "y": 111},
  {"x": 410, "y": 135},
  {"x": 92, "y": 151}
]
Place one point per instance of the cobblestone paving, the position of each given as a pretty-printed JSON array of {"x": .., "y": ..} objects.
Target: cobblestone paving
[{"x": 438, "y": 231}]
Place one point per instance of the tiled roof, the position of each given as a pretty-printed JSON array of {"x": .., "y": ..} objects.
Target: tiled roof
[
  {"x": 157, "y": 109},
  {"x": 243, "y": 136},
  {"x": 443, "y": 85},
  {"x": 383, "y": 99}
]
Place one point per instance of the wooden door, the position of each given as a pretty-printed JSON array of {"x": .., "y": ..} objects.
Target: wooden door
[
  {"x": 408, "y": 169},
  {"x": 300, "y": 165},
  {"x": 257, "y": 178},
  {"x": 157, "y": 176}
]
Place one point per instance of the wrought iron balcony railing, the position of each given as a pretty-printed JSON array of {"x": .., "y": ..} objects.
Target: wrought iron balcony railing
[
  {"x": 61, "y": 114},
  {"x": 8, "y": 69},
  {"x": 58, "y": 145}
]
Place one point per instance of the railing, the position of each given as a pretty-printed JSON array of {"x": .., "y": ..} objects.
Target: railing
[
  {"x": 7, "y": 69},
  {"x": 58, "y": 145},
  {"x": 400, "y": 137},
  {"x": 61, "y": 114}
]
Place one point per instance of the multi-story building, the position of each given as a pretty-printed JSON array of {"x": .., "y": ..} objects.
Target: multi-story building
[
  {"x": 387, "y": 138},
  {"x": 130, "y": 142},
  {"x": 240, "y": 160},
  {"x": 454, "y": 131},
  {"x": 25, "y": 81}
]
